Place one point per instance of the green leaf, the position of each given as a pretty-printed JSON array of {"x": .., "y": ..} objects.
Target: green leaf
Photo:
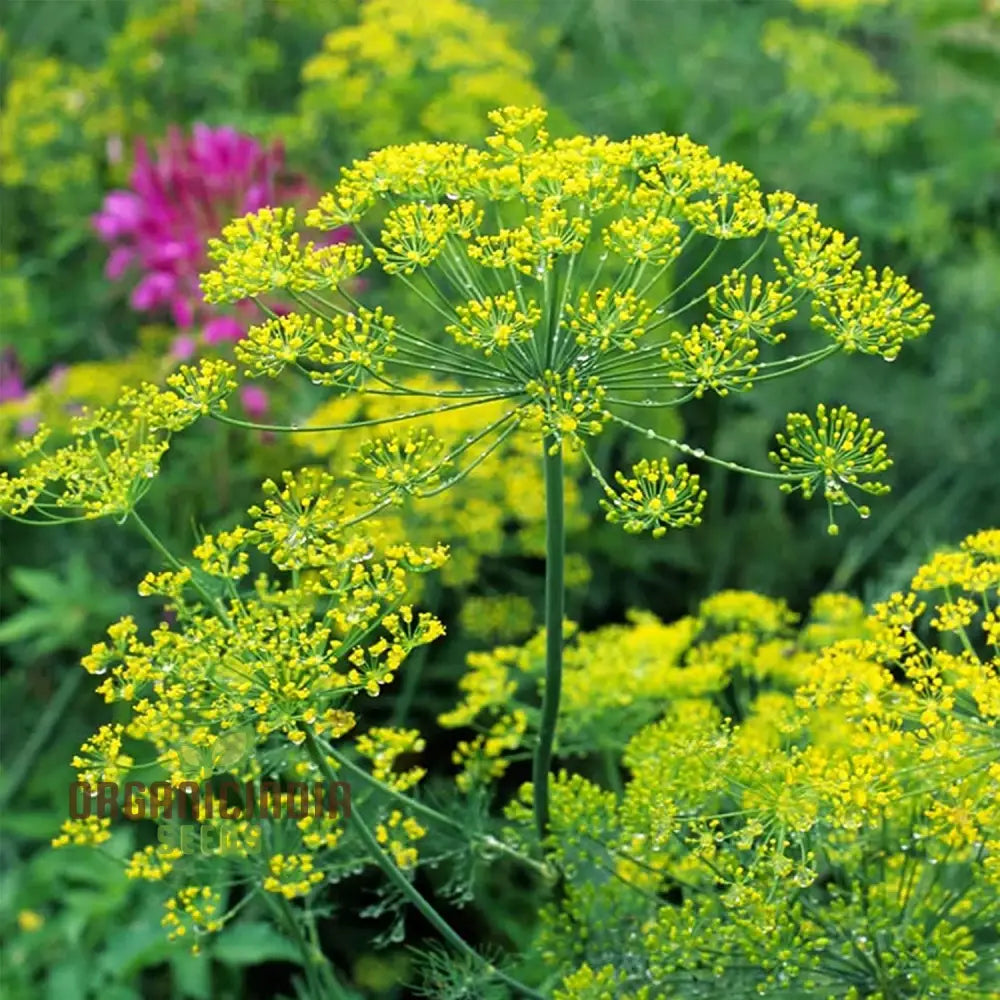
[
  {"x": 37, "y": 584},
  {"x": 36, "y": 825},
  {"x": 137, "y": 947},
  {"x": 253, "y": 943},
  {"x": 192, "y": 975},
  {"x": 978, "y": 60},
  {"x": 26, "y": 623},
  {"x": 67, "y": 981}
]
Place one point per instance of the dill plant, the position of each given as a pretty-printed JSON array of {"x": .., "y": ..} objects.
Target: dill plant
[
  {"x": 805, "y": 808},
  {"x": 578, "y": 286},
  {"x": 495, "y": 243}
]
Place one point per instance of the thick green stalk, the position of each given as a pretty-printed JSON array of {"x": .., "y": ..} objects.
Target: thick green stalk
[{"x": 555, "y": 599}]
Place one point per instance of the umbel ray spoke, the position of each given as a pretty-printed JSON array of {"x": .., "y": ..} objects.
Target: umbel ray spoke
[{"x": 373, "y": 422}]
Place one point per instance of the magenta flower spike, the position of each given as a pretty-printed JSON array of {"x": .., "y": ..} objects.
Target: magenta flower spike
[{"x": 178, "y": 197}]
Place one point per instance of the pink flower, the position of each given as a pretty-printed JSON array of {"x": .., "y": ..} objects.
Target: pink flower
[
  {"x": 11, "y": 380},
  {"x": 178, "y": 198},
  {"x": 184, "y": 347},
  {"x": 12, "y": 389},
  {"x": 255, "y": 401},
  {"x": 222, "y": 329}
]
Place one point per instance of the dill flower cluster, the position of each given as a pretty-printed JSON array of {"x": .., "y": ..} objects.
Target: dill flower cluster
[
  {"x": 411, "y": 71},
  {"x": 619, "y": 677},
  {"x": 114, "y": 452},
  {"x": 806, "y": 808},
  {"x": 66, "y": 390},
  {"x": 843, "y": 85},
  {"x": 245, "y": 667},
  {"x": 551, "y": 269},
  {"x": 54, "y": 127}
]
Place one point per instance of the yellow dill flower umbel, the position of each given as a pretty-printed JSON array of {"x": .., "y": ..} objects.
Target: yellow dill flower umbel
[
  {"x": 407, "y": 72},
  {"x": 553, "y": 267}
]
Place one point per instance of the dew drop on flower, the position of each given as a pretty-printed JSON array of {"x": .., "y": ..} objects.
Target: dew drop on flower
[{"x": 452, "y": 196}]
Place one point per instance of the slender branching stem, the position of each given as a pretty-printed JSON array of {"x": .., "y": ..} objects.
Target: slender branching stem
[
  {"x": 154, "y": 540},
  {"x": 321, "y": 981},
  {"x": 407, "y": 889},
  {"x": 351, "y": 425},
  {"x": 440, "y": 819},
  {"x": 700, "y": 454}
]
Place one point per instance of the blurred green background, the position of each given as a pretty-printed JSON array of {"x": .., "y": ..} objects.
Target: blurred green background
[{"x": 884, "y": 112}]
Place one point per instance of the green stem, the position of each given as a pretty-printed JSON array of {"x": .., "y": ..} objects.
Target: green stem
[
  {"x": 335, "y": 990},
  {"x": 411, "y": 682},
  {"x": 428, "y": 812},
  {"x": 313, "y": 960},
  {"x": 612, "y": 772},
  {"x": 353, "y": 424},
  {"x": 172, "y": 560},
  {"x": 41, "y": 734},
  {"x": 701, "y": 454},
  {"x": 406, "y": 887},
  {"x": 154, "y": 540},
  {"x": 555, "y": 598}
]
